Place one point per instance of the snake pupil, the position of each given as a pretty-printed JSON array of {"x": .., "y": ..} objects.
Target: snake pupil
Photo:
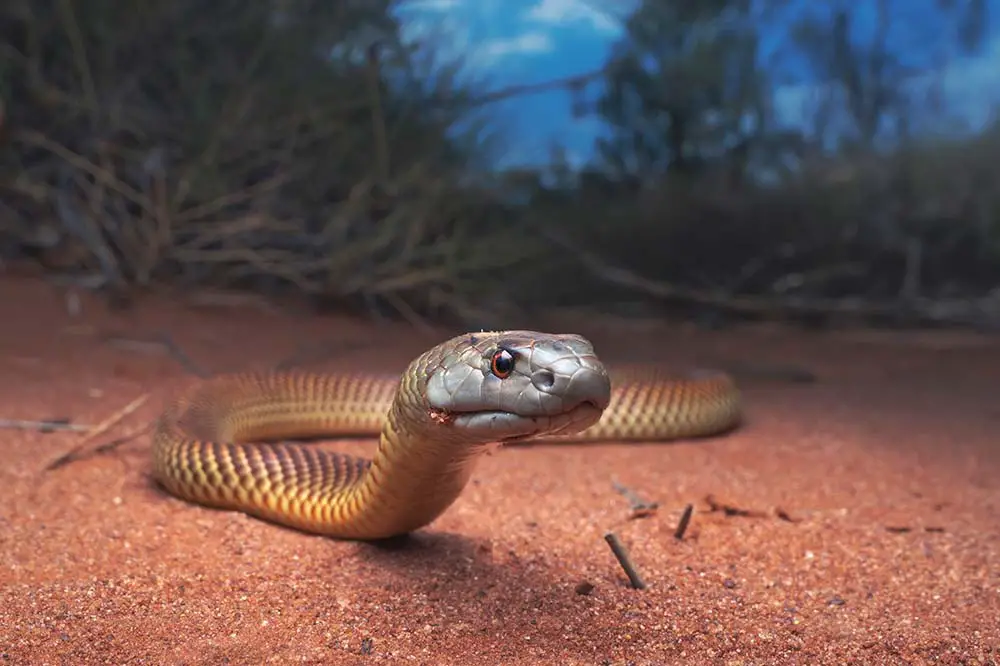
[{"x": 502, "y": 363}]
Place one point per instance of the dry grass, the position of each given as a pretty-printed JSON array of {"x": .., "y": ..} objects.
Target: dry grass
[{"x": 236, "y": 157}]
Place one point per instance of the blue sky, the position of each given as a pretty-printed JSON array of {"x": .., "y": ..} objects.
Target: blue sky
[{"x": 516, "y": 42}]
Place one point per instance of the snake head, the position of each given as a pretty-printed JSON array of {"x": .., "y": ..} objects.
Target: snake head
[{"x": 516, "y": 385}]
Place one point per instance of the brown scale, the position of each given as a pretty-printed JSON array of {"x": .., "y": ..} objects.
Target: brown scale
[{"x": 648, "y": 404}]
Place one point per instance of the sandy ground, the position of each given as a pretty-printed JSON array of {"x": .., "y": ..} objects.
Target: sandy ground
[{"x": 854, "y": 519}]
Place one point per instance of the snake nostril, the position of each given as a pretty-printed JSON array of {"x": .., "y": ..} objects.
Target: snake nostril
[{"x": 543, "y": 379}]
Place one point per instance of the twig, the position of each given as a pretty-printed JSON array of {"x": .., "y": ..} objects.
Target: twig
[
  {"x": 408, "y": 313},
  {"x": 124, "y": 439},
  {"x": 182, "y": 358},
  {"x": 46, "y": 425},
  {"x": 728, "y": 510},
  {"x": 100, "y": 176},
  {"x": 107, "y": 447},
  {"x": 114, "y": 418},
  {"x": 685, "y": 520},
  {"x": 925, "y": 312},
  {"x": 103, "y": 448},
  {"x": 639, "y": 507},
  {"x": 97, "y": 431},
  {"x": 164, "y": 342},
  {"x": 634, "y": 579},
  {"x": 521, "y": 90}
]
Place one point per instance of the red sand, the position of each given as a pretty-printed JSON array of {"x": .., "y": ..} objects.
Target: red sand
[{"x": 888, "y": 467}]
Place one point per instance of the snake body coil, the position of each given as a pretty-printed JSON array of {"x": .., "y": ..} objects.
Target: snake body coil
[{"x": 452, "y": 403}]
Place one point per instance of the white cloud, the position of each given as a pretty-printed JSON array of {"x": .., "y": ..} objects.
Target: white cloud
[
  {"x": 475, "y": 32},
  {"x": 562, "y": 12},
  {"x": 529, "y": 42}
]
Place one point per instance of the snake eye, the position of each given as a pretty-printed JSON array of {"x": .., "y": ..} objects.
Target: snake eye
[{"x": 502, "y": 363}]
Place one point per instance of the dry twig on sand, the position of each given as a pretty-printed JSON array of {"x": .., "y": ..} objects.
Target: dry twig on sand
[
  {"x": 639, "y": 508},
  {"x": 98, "y": 430},
  {"x": 634, "y": 579},
  {"x": 115, "y": 418},
  {"x": 683, "y": 523},
  {"x": 110, "y": 446},
  {"x": 45, "y": 425},
  {"x": 160, "y": 342}
]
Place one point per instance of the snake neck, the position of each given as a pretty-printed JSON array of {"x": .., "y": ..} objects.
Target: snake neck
[
  {"x": 421, "y": 465},
  {"x": 418, "y": 472}
]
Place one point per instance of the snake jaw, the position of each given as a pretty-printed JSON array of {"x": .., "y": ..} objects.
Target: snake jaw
[{"x": 507, "y": 427}]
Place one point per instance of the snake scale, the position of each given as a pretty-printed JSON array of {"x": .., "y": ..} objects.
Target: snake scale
[{"x": 224, "y": 443}]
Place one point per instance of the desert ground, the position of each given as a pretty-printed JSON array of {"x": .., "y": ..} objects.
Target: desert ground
[{"x": 854, "y": 518}]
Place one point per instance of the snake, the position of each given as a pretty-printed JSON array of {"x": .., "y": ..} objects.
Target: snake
[{"x": 239, "y": 441}]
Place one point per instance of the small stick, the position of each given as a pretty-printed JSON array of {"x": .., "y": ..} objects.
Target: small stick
[
  {"x": 408, "y": 313},
  {"x": 732, "y": 510},
  {"x": 124, "y": 439},
  {"x": 107, "y": 447},
  {"x": 46, "y": 425},
  {"x": 180, "y": 356},
  {"x": 634, "y": 579},
  {"x": 98, "y": 430},
  {"x": 640, "y": 508},
  {"x": 162, "y": 342},
  {"x": 684, "y": 521},
  {"x": 114, "y": 418}
]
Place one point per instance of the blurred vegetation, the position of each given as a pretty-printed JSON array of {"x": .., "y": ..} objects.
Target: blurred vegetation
[{"x": 302, "y": 147}]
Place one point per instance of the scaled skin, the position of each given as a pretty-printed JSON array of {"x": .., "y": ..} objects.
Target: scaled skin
[{"x": 448, "y": 407}]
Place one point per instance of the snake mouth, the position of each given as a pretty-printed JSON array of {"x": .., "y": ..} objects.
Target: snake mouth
[{"x": 508, "y": 427}]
